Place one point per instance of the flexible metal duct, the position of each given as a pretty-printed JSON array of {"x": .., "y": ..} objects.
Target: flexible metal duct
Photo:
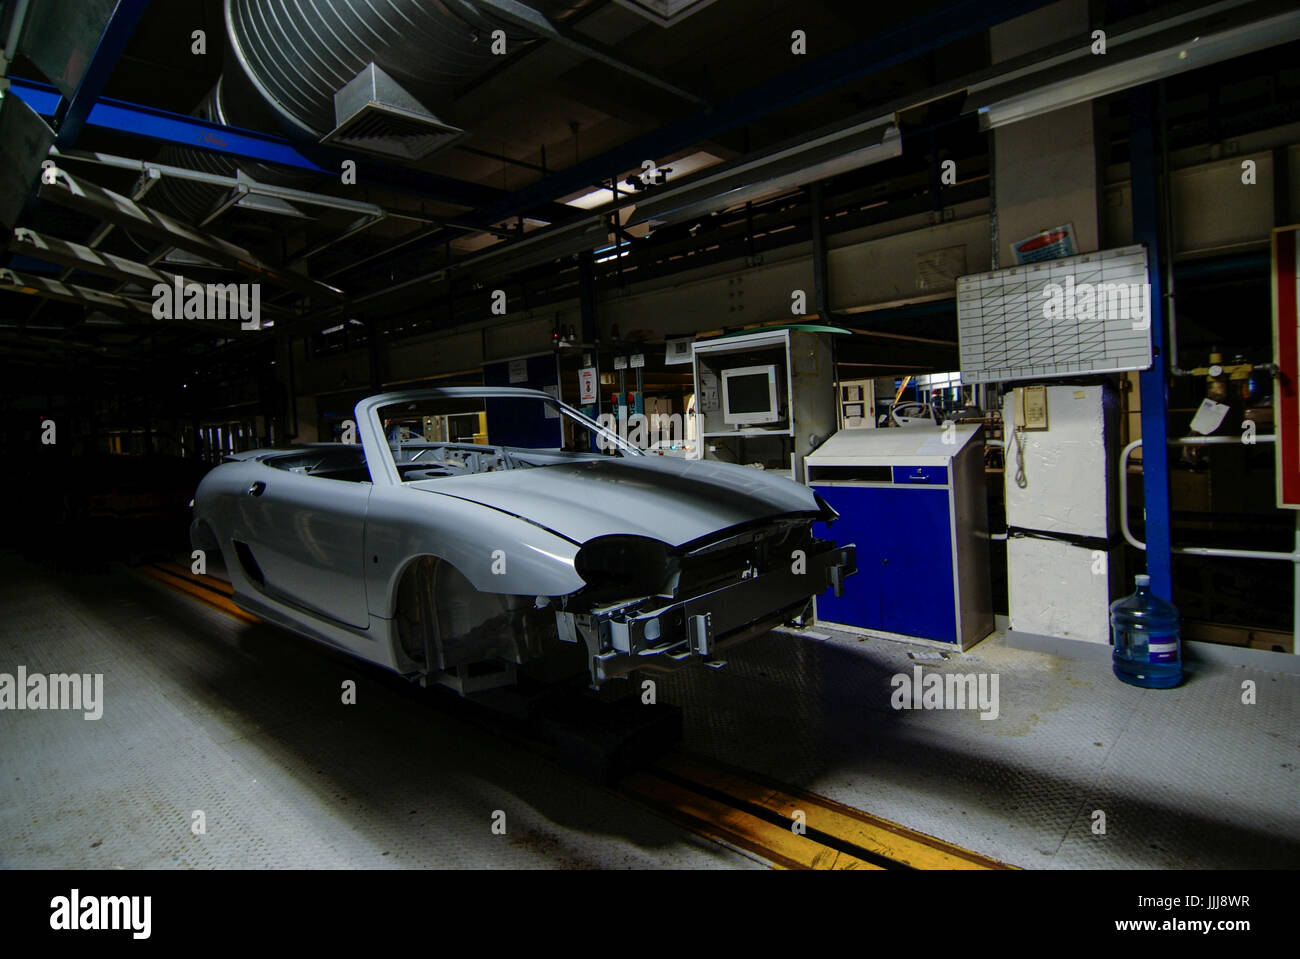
[
  {"x": 193, "y": 201},
  {"x": 287, "y": 59},
  {"x": 293, "y": 57}
]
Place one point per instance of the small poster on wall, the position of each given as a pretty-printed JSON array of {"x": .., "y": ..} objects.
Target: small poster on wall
[
  {"x": 708, "y": 398},
  {"x": 518, "y": 371},
  {"x": 678, "y": 350},
  {"x": 1049, "y": 245},
  {"x": 587, "y": 385}
]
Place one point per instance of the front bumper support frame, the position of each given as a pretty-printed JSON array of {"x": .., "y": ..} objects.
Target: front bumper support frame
[{"x": 654, "y": 634}]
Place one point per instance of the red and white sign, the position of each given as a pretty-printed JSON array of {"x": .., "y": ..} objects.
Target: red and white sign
[
  {"x": 587, "y": 384},
  {"x": 1286, "y": 354},
  {"x": 1048, "y": 245}
]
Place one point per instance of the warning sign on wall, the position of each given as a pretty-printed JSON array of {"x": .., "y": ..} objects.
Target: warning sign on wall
[{"x": 587, "y": 385}]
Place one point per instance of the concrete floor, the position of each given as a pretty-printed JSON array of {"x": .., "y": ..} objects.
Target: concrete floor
[{"x": 204, "y": 712}]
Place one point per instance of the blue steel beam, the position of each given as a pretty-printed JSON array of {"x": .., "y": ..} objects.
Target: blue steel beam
[
  {"x": 71, "y": 116},
  {"x": 1153, "y": 384},
  {"x": 173, "y": 128}
]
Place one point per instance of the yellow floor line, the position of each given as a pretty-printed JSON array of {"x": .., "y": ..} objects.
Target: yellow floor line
[
  {"x": 718, "y": 821},
  {"x": 211, "y": 582},
  {"x": 184, "y": 584},
  {"x": 871, "y": 833}
]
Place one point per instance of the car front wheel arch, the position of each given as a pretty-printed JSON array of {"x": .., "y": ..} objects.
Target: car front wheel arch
[{"x": 442, "y": 621}]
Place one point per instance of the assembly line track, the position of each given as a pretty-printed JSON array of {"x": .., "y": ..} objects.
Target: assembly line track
[{"x": 784, "y": 826}]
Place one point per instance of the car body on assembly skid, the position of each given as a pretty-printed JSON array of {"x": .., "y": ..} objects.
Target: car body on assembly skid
[{"x": 553, "y": 549}]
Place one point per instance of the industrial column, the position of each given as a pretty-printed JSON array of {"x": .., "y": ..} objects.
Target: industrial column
[{"x": 1144, "y": 115}]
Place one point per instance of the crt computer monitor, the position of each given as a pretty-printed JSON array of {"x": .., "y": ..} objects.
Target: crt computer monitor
[{"x": 749, "y": 395}]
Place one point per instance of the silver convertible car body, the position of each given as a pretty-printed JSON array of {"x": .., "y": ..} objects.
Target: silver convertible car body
[{"x": 477, "y": 534}]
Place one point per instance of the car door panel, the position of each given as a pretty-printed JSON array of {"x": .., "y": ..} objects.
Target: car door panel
[{"x": 307, "y": 537}]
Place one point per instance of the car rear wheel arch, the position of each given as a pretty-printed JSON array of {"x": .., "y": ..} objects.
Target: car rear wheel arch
[{"x": 202, "y": 536}]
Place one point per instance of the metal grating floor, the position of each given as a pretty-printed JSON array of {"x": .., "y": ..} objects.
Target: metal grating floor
[
  {"x": 1186, "y": 778},
  {"x": 245, "y": 723}
]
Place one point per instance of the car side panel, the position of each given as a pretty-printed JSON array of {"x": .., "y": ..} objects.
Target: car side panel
[{"x": 307, "y": 535}]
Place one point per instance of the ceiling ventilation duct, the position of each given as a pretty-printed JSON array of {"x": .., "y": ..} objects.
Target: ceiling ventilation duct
[
  {"x": 376, "y": 115},
  {"x": 192, "y": 201},
  {"x": 370, "y": 70}
]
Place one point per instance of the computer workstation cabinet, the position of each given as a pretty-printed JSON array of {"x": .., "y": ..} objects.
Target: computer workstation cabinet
[{"x": 765, "y": 399}]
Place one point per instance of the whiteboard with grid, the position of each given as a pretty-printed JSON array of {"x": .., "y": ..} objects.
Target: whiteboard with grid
[{"x": 1006, "y": 334}]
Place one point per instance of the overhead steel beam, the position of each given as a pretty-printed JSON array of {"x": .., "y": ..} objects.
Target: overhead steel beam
[
  {"x": 176, "y": 129},
  {"x": 70, "y": 118},
  {"x": 104, "y": 204},
  {"x": 193, "y": 133},
  {"x": 287, "y": 194}
]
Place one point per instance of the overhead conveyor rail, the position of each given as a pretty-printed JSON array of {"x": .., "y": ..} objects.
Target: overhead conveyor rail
[
  {"x": 78, "y": 256},
  {"x": 52, "y": 289},
  {"x": 102, "y": 204}
]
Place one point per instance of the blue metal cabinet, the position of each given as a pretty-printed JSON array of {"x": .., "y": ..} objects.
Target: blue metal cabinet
[
  {"x": 913, "y": 502},
  {"x": 860, "y": 604},
  {"x": 904, "y": 583}
]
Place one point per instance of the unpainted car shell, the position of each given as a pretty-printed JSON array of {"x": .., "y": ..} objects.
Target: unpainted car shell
[{"x": 328, "y": 555}]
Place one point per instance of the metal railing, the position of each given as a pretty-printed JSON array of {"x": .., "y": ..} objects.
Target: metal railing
[{"x": 1291, "y": 557}]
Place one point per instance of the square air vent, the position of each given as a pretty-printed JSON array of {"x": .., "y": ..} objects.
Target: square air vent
[
  {"x": 665, "y": 12},
  {"x": 375, "y": 115}
]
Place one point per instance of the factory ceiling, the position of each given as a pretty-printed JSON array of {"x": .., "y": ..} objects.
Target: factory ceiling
[{"x": 388, "y": 156}]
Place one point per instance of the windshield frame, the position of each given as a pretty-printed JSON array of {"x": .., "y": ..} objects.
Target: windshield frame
[{"x": 380, "y": 453}]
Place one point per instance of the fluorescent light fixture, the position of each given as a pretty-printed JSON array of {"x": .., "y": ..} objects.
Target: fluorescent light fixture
[
  {"x": 1195, "y": 51},
  {"x": 684, "y": 166},
  {"x": 716, "y": 188},
  {"x": 782, "y": 169},
  {"x": 604, "y": 254}
]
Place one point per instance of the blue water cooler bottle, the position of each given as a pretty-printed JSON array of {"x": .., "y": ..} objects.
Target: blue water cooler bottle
[{"x": 1145, "y": 630}]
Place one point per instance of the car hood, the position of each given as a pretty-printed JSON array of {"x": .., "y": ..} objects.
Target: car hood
[{"x": 672, "y": 500}]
